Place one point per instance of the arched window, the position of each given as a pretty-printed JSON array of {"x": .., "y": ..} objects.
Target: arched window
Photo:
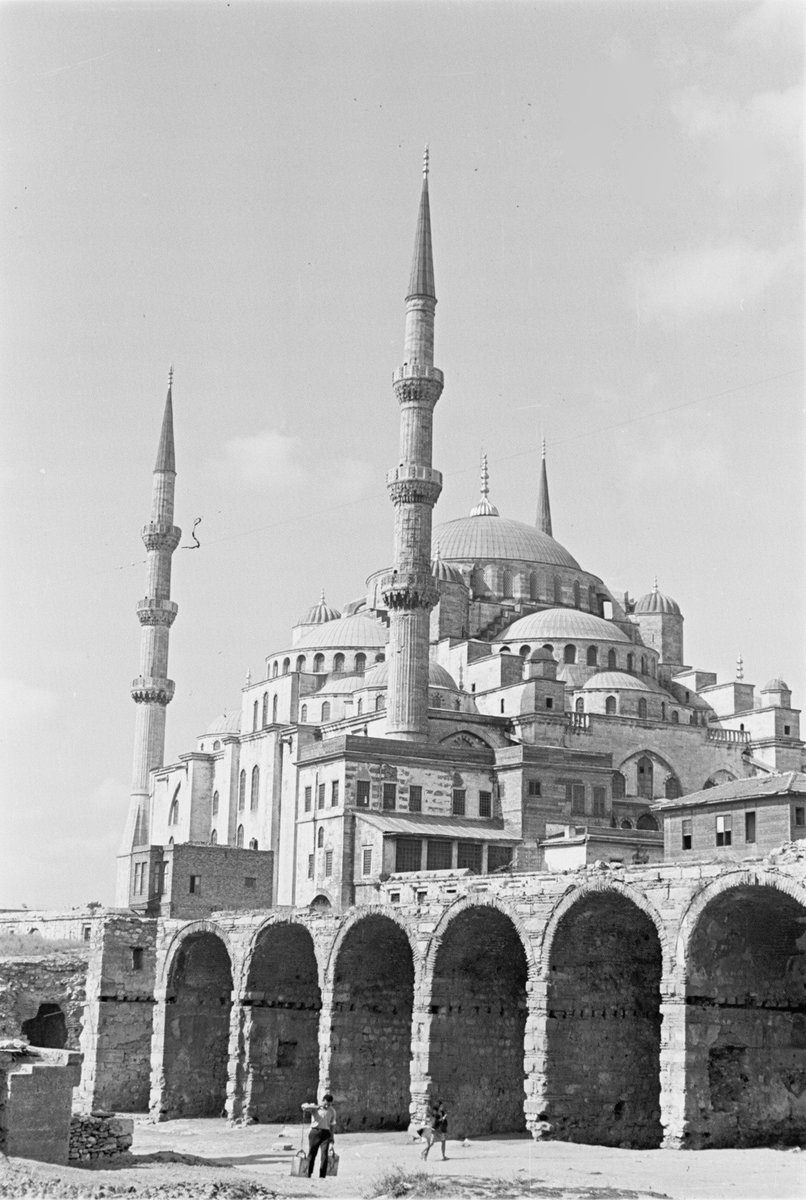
[
  {"x": 505, "y": 650},
  {"x": 642, "y": 708},
  {"x": 320, "y": 837},
  {"x": 253, "y": 843},
  {"x": 645, "y": 821},
  {"x": 338, "y": 662},
  {"x": 570, "y": 654},
  {"x": 326, "y": 711},
  {"x": 173, "y": 811},
  {"x": 300, "y": 662},
  {"x": 548, "y": 646},
  {"x": 593, "y": 656},
  {"x": 214, "y": 837},
  {"x": 254, "y": 715},
  {"x": 265, "y": 712},
  {"x": 611, "y": 660},
  {"x": 533, "y": 586},
  {"x": 379, "y": 703},
  {"x": 239, "y": 836},
  {"x": 592, "y": 598},
  {"x": 619, "y": 786},
  {"x": 216, "y": 745},
  {"x": 318, "y": 663},
  {"x": 611, "y": 706},
  {"x": 672, "y": 789},
  {"x": 359, "y": 708},
  {"x": 286, "y": 665},
  {"x": 630, "y": 662},
  {"x": 580, "y": 705},
  {"x": 436, "y": 700},
  {"x": 692, "y": 718},
  {"x": 275, "y": 669},
  {"x": 525, "y": 651},
  {"x": 303, "y": 713},
  {"x": 644, "y": 777},
  {"x": 274, "y": 710},
  {"x": 253, "y": 796},
  {"x": 558, "y": 590},
  {"x": 576, "y": 594},
  {"x": 360, "y": 662},
  {"x": 626, "y": 824},
  {"x": 215, "y": 804},
  {"x": 506, "y": 585},
  {"x": 675, "y": 716},
  {"x": 643, "y": 664},
  {"x": 242, "y": 791},
  {"x": 663, "y": 710},
  {"x": 652, "y": 667}
]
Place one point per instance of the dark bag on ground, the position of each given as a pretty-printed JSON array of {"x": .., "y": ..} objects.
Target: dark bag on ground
[
  {"x": 299, "y": 1163},
  {"x": 332, "y": 1162}
]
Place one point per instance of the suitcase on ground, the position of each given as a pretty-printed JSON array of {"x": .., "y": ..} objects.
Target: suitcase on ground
[
  {"x": 332, "y": 1162},
  {"x": 299, "y": 1163}
]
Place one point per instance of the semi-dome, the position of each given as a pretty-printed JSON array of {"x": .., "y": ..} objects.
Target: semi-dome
[
  {"x": 776, "y": 685},
  {"x": 443, "y": 572},
  {"x": 619, "y": 681},
  {"x": 226, "y": 722},
  {"x": 656, "y": 602},
  {"x": 320, "y": 613},
  {"x": 480, "y": 538},
  {"x": 378, "y": 676},
  {"x": 563, "y": 623},
  {"x": 359, "y": 630}
]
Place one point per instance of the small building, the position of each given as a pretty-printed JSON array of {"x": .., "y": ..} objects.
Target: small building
[{"x": 745, "y": 818}]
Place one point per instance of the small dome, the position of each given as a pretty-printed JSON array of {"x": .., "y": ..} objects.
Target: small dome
[
  {"x": 657, "y": 602},
  {"x": 776, "y": 685},
  {"x": 342, "y": 685},
  {"x": 541, "y": 654},
  {"x": 563, "y": 623},
  {"x": 360, "y": 631},
  {"x": 320, "y": 613},
  {"x": 378, "y": 676},
  {"x": 619, "y": 681},
  {"x": 227, "y": 722},
  {"x": 442, "y": 571}
]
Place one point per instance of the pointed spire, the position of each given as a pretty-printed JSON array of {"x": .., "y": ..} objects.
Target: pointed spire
[
  {"x": 421, "y": 282},
  {"x": 166, "y": 460},
  {"x": 484, "y": 508},
  {"x": 543, "y": 521}
]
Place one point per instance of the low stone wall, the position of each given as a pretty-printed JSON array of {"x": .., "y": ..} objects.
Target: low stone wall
[
  {"x": 57, "y": 980},
  {"x": 99, "y": 1136}
]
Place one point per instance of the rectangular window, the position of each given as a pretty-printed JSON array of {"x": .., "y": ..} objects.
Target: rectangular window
[
  {"x": 362, "y": 793},
  {"x": 195, "y": 885},
  {"x": 86, "y": 932},
  {"x": 439, "y": 856},
  {"x": 787, "y": 730},
  {"x": 250, "y": 881},
  {"x": 533, "y": 787},
  {"x": 389, "y": 795},
  {"x": 366, "y": 861},
  {"x": 137, "y": 958},
  {"x": 800, "y": 816},
  {"x": 320, "y": 796},
  {"x": 159, "y": 879},
  {"x": 599, "y": 801},
  {"x": 575, "y": 793},
  {"x": 724, "y": 831},
  {"x": 328, "y": 862},
  {"x": 310, "y": 866},
  {"x": 308, "y": 797},
  {"x": 408, "y": 854},
  {"x": 499, "y": 858},
  {"x": 749, "y": 826},
  {"x": 458, "y": 805},
  {"x": 415, "y": 798},
  {"x": 470, "y": 856},
  {"x": 686, "y": 834},
  {"x": 334, "y": 793},
  {"x": 549, "y": 702},
  {"x": 485, "y": 804}
]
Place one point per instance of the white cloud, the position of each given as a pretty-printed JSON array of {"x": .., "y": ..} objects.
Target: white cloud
[
  {"x": 267, "y": 460},
  {"x": 688, "y": 284},
  {"x": 21, "y": 702},
  {"x": 773, "y": 21}
]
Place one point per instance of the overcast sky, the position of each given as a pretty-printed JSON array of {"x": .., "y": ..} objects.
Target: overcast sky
[{"x": 617, "y": 210}]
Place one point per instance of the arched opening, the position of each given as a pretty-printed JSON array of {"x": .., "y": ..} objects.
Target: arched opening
[
  {"x": 630, "y": 662},
  {"x": 255, "y": 791},
  {"x": 274, "y": 710},
  {"x": 360, "y": 663},
  {"x": 379, "y": 701},
  {"x": 318, "y": 663},
  {"x": 625, "y": 824},
  {"x": 275, "y": 669},
  {"x": 253, "y": 844},
  {"x": 303, "y": 714},
  {"x": 359, "y": 708},
  {"x": 254, "y": 716},
  {"x": 533, "y": 586},
  {"x": 282, "y": 1068},
  {"x": 579, "y": 706},
  {"x": 47, "y": 1028},
  {"x": 577, "y": 600},
  {"x": 326, "y": 710},
  {"x": 173, "y": 812},
  {"x": 671, "y": 788},
  {"x": 286, "y": 665},
  {"x": 506, "y": 585},
  {"x": 611, "y": 660},
  {"x": 558, "y": 591},
  {"x": 610, "y": 706},
  {"x": 570, "y": 654},
  {"x": 300, "y": 662},
  {"x": 380, "y": 657},
  {"x": 371, "y": 1025},
  {"x": 619, "y": 786},
  {"x": 603, "y": 1045},
  {"x": 642, "y": 709},
  {"x": 648, "y": 822},
  {"x": 505, "y": 650},
  {"x": 265, "y": 711},
  {"x": 644, "y": 773},
  {"x": 338, "y": 662},
  {"x": 593, "y": 656},
  {"x": 239, "y": 836},
  {"x": 214, "y": 837},
  {"x": 525, "y": 651},
  {"x": 477, "y": 1038},
  {"x": 197, "y": 1028},
  {"x": 242, "y": 791},
  {"x": 745, "y": 995}
]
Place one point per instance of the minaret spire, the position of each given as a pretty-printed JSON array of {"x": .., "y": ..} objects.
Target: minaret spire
[
  {"x": 151, "y": 691},
  {"x": 409, "y": 591},
  {"x": 543, "y": 506}
]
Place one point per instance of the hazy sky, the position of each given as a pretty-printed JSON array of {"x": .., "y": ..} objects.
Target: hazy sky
[{"x": 617, "y": 209}]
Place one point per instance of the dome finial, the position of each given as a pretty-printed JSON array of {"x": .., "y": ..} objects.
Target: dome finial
[
  {"x": 485, "y": 475},
  {"x": 655, "y": 584},
  {"x": 543, "y": 448},
  {"x": 322, "y": 596},
  {"x": 740, "y": 668},
  {"x": 484, "y": 508},
  {"x": 425, "y": 161},
  {"x": 248, "y": 679},
  {"x": 436, "y": 553},
  {"x": 171, "y": 376}
]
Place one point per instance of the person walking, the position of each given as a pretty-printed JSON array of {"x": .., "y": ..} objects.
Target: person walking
[
  {"x": 436, "y": 1130},
  {"x": 322, "y": 1133}
]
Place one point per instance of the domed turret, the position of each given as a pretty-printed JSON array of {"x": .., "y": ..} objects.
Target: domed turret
[
  {"x": 777, "y": 691},
  {"x": 656, "y": 602},
  {"x": 661, "y": 623},
  {"x": 320, "y": 613}
]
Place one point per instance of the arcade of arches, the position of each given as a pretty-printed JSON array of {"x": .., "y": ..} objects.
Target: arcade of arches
[{"x": 640, "y": 1008}]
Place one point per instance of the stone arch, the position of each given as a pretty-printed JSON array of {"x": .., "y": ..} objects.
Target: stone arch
[
  {"x": 188, "y": 931},
  {"x": 280, "y": 988},
  {"x": 371, "y": 969},
  {"x": 479, "y": 967},
  {"x": 466, "y": 737},
  {"x": 575, "y": 894},
  {"x": 603, "y": 954},
  {"x": 742, "y": 970}
]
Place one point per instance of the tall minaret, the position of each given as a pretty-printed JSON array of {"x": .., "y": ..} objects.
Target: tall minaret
[
  {"x": 414, "y": 487},
  {"x": 543, "y": 507},
  {"x": 152, "y": 691}
]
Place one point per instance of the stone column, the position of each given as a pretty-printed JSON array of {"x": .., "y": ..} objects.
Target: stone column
[
  {"x": 422, "y": 1023},
  {"x": 535, "y": 1058},
  {"x": 159, "y": 1101},
  {"x": 239, "y": 1070},
  {"x": 683, "y": 1077}
]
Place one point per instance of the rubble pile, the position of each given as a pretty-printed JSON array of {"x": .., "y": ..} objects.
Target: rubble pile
[{"x": 99, "y": 1135}]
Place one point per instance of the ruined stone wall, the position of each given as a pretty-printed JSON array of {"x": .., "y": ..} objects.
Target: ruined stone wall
[
  {"x": 31, "y": 988},
  {"x": 94, "y": 1137}
]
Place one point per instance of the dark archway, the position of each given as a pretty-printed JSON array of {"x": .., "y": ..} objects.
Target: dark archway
[
  {"x": 746, "y": 997},
  {"x": 199, "y": 998},
  {"x": 603, "y": 1061},
  {"x": 282, "y": 991},
  {"x": 47, "y": 1028},
  {"x": 478, "y": 1003},
  {"x": 373, "y": 998}
]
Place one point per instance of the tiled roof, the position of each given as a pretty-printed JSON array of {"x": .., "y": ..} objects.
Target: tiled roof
[
  {"x": 759, "y": 787},
  {"x": 420, "y": 825}
]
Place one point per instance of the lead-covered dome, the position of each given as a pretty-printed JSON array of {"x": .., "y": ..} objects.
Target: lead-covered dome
[
  {"x": 226, "y": 722},
  {"x": 563, "y": 623},
  {"x": 619, "y": 681},
  {"x": 358, "y": 630},
  {"x": 320, "y": 613},
  {"x": 378, "y": 676},
  {"x": 776, "y": 685},
  {"x": 656, "y": 602},
  {"x": 469, "y": 539}
]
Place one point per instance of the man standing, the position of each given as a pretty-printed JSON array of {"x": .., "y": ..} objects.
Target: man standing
[{"x": 323, "y": 1132}]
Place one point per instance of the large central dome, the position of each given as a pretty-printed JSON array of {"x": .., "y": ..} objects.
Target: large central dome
[{"x": 492, "y": 537}]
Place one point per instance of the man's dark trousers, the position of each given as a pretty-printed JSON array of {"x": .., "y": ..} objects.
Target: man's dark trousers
[{"x": 317, "y": 1138}]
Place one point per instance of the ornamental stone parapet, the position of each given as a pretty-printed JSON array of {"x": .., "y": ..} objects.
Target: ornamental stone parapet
[
  {"x": 414, "y": 484},
  {"x": 409, "y": 590},
  {"x": 148, "y": 690},
  {"x": 159, "y": 535},
  {"x": 420, "y": 388},
  {"x": 151, "y": 611}
]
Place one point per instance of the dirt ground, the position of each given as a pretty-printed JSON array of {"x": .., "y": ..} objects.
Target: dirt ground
[{"x": 221, "y": 1163}]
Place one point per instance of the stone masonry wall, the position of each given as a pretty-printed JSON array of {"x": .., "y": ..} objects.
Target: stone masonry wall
[
  {"x": 99, "y": 1136},
  {"x": 58, "y": 981}
]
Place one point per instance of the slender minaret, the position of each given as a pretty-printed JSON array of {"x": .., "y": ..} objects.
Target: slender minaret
[
  {"x": 543, "y": 507},
  {"x": 152, "y": 691},
  {"x": 414, "y": 486}
]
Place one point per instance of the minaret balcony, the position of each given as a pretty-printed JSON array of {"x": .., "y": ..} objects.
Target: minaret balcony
[
  {"x": 159, "y": 535},
  {"x": 151, "y": 611},
  {"x": 416, "y": 370},
  {"x": 408, "y": 590},
  {"x": 413, "y": 484},
  {"x": 146, "y": 689}
]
